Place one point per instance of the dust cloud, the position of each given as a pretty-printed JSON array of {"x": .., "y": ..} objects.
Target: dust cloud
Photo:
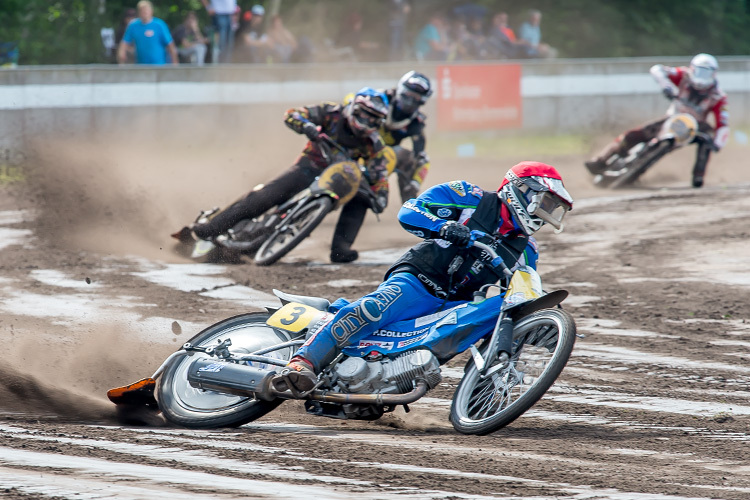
[{"x": 69, "y": 379}]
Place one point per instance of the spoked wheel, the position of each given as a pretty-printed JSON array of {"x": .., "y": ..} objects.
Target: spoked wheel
[
  {"x": 185, "y": 405},
  {"x": 293, "y": 230},
  {"x": 542, "y": 343},
  {"x": 639, "y": 166}
]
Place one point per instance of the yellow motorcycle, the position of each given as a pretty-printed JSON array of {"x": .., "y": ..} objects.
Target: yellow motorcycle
[{"x": 278, "y": 231}]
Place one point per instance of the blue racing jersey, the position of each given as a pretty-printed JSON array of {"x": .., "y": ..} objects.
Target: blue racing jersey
[
  {"x": 456, "y": 201},
  {"x": 150, "y": 40}
]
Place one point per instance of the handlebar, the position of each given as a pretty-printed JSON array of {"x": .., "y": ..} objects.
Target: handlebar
[
  {"x": 327, "y": 139},
  {"x": 495, "y": 260}
]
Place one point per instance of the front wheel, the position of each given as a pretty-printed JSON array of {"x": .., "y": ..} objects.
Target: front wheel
[
  {"x": 185, "y": 405},
  {"x": 293, "y": 230},
  {"x": 640, "y": 165},
  {"x": 542, "y": 343}
]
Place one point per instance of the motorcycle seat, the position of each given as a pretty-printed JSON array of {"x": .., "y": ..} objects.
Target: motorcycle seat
[{"x": 316, "y": 302}]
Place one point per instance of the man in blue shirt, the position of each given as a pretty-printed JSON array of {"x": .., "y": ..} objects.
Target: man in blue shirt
[
  {"x": 530, "y": 35},
  {"x": 150, "y": 36}
]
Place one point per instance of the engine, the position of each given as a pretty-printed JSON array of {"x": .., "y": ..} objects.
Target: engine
[{"x": 395, "y": 376}]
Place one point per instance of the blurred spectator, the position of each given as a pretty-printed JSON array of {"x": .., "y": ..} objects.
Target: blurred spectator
[
  {"x": 501, "y": 22},
  {"x": 255, "y": 42},
  {"x": 222, "y": 11},
  {"x": 432, "y": 42},
  {"x": 108, "y": 41},
  {"x": 191, "y": 44},
  {"x": 399, "y": 14},
  {"x": 503, "y": 42},
  {"x": 282, "y": 42},
  {"x": 530, "y": 34},
  {"x": 350, "y": 35},
  {"x": 127, "y": 17},
  {"x": 461, "y": 43},
  {"x": 150, "y": 36},
  {"x": 8, "y": 54},
  {"x": 477, "y": 44}
]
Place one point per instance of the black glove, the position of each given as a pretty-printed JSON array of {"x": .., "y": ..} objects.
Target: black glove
[
  {"x": 382, "y": 201},
  {"x": 380, "y": 189},
  {"x": 458, "y": 234},
  {"x": 311, "y": 131},
  {"x": 669, "y": 93}
]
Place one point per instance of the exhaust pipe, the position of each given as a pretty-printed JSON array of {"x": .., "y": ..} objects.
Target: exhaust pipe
[
  {"x": 378, "y": 399},
  {"x": 249, "y": 381},
  {"x": 231, "y": 378}
]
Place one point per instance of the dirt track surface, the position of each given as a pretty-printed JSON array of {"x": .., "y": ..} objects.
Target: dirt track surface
[{"x": 654, "y": 403}]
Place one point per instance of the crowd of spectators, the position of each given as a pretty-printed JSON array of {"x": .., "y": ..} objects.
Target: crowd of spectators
[
  {"x": 465, "y": 33},
  {"x": 470, "y": 37}
]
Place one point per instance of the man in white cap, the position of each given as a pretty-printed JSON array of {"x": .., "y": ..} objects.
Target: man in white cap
[
  {"x": 255, "y": 37},
  {"x": 222, "y": 11}
]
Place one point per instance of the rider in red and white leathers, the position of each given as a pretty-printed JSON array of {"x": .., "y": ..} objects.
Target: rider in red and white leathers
[{"x": 694, "y": 90}]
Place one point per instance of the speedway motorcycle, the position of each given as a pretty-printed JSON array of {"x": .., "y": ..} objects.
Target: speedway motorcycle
[
  {"x": 678, "y": 130},
  {"x": 520, "y": 341},
  {"x": 278, "y": 231}
]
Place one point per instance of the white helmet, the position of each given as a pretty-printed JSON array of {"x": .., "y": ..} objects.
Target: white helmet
[{"x": 702, "y": 71}]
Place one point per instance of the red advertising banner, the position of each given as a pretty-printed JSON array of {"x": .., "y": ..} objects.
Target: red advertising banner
[{"x": 479, "y": 97}]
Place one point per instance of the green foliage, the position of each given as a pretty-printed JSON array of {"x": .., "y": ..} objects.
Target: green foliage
[{"x": 67, "y": 31}]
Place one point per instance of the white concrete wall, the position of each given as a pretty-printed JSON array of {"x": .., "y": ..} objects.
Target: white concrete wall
[{"x": 557, "y": 96}]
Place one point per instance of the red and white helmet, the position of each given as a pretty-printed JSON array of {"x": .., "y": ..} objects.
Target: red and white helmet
[
  {"x": 534, "y": 194},
  {"x": 702, "y": 71}
]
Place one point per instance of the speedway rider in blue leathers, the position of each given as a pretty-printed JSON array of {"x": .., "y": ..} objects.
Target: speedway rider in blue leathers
[{"x": 443, "y": 269}]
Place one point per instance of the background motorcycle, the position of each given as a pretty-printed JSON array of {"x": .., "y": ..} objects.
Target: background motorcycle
[
  {"x": 679, "y": 129},
  {"x": 520, "y": 341},
  {"x": 278, "y": 231}
]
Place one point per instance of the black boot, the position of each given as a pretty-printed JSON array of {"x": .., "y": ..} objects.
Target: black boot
[
  {"x": 343, "y": 255},
  {"x": 701, "y": 161},
  {"x": 595, "y": 166},
  {"x": 351, "y": 219}
]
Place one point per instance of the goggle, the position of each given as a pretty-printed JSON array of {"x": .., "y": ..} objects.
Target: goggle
[
  {"x": 366, "y": 119},
  {"x": 410, "y": 100},
  {"x": 702, "y": 77},
  {"x": 548, "y": 207}
]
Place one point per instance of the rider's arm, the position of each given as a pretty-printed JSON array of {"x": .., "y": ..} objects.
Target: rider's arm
[
  {"x": 295, "y": 118},
  {"x": 451, "y": 201},
  {"x": 721, "y": 118},
  {"x": 666, "y": 76},
  {"x": 420, "y": 156},
  {"x": 376, "y": 162},
  {"x": 416, "y": 133}
]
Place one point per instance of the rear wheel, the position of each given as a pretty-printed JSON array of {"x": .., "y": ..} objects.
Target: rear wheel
[
  {"x": 542, "y": 342},
  {"x": 293, "y": 230},
  {"x": 185, "y": 405}
]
